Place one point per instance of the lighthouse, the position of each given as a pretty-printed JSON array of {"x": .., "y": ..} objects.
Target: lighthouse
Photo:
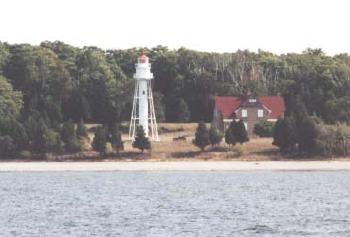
[{"x": 143, "y": 113}]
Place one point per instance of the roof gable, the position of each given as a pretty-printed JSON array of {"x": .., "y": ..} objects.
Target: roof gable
[
  {"x": 227, "y": 105},
  {"x": 275, "y": 104}
]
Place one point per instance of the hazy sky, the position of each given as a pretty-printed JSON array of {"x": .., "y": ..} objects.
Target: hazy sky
[{"x": 279, "y": 26}]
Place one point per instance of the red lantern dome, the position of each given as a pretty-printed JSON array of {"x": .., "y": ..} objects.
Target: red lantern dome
[{"x": 143, "y": 59}]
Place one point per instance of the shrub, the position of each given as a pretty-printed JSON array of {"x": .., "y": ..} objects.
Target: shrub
[
  {"x": 264, "y": 128},
  {"x": 52, "y": 141},
  {"x": 333, "y": 140}
]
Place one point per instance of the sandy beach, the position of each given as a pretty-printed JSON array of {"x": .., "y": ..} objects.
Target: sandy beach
[{"x": 178, "y": 166}]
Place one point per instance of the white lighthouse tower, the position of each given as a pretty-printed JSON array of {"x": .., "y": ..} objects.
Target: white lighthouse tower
[{"x": 143, "y": 108}]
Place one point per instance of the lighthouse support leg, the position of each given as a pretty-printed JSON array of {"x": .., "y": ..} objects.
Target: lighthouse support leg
[
  {"x": 134, "y": 115},
  {"x": 152, "y": 115}
]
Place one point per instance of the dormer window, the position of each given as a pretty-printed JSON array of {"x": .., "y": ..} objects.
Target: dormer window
[{"x": 252, "y": 100}]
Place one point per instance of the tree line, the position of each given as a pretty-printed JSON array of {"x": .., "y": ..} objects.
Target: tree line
[{"x": 43, "y": 87}]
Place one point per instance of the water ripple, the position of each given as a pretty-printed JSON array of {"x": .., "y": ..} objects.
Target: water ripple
[{"x": 175, "y": 204}]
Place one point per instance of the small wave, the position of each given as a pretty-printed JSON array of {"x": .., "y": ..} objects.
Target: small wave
[{"x": 259, "y": 229}]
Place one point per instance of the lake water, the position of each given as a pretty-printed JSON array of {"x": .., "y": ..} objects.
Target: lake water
[{"x": 175, "y": 204}]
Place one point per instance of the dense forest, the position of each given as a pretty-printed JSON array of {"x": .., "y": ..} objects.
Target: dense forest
[{"x": 43, "y": 86}]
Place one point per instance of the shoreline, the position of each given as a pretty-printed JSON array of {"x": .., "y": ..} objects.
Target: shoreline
[{"x": 44, "y": 166}]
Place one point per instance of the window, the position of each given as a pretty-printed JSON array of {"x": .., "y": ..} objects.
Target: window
[
  {"x": 246, "y": 126},
  {"x": 252, "y": 100},
  {"x": 244, "y": 113},
  {"x": 260, "y": 113}
]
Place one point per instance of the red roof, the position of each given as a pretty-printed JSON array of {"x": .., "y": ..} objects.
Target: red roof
[
  {"x": 142, "y": 58},
  {"x": 275, "y": 104},
  {"x": 227, "y": 105}
]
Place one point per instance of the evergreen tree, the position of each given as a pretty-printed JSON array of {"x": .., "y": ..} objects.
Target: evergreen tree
[
  {"x": 230, "y": 137},
  {"x": 141, "y": 142},
  {"x": 201, "y": 139},
  {"x": 240, "y": 132},
  {"x": 308, "y": 136},
  {"x": 290, "y": 133},
  {"x": 285, "y": 134},
  {"x": 100, "y": 140},
  {"x": 278, "y": 134},
  {"x": 215, "y": 136}
]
